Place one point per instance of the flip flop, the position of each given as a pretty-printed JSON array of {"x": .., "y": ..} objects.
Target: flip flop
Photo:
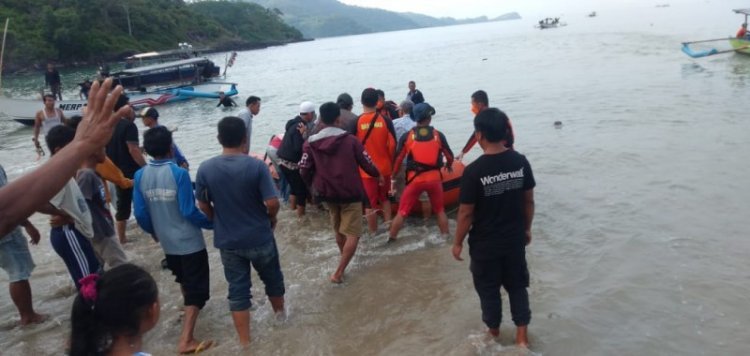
[{"x": 202, "y": 346}]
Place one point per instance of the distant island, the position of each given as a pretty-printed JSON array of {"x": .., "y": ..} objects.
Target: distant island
[{"x": 327, "y": 18}]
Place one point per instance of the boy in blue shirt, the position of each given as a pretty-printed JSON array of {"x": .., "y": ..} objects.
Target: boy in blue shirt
[{"x": 165, "y": 206}]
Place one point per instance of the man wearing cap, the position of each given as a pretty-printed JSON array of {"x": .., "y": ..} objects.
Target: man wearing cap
[
  {"x": 150, "y": 117},
  {"x": 424, "y": 147},
  {"x": 252, "y": 108},
  {"x": 124, "y": 151},
  {"x": 290, "y": 153}
]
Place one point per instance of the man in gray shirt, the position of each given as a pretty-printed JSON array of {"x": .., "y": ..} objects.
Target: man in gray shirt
[
  {"x": 252, "y": 108},
  {"x": 348, "y": 120}
]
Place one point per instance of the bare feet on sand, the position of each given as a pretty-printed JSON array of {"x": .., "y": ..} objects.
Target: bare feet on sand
[
  {"x": 522, "y": 339},
  {"x": 494, "y": 332},
  {"x": 33, "y": 319},
  {"x": 337, "y": 279}
]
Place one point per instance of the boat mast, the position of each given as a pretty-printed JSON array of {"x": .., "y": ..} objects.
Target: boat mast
[{"x": 2, "y": 52}]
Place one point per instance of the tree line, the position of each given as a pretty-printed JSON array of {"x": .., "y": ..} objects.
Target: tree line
[{"x": 87, "y": 31}]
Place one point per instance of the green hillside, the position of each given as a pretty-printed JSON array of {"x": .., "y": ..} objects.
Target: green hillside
[
  {"x": 71, "y": 31},
  {"x": 324, "y": 18}
]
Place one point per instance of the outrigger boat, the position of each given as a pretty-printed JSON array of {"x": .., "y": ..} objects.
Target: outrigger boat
[
  {"x": 739, "y": 45},
  {"x": 23, "y": 110}
]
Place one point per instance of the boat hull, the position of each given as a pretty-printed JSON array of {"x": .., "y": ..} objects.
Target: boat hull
[
  {"x": 451, "y": 187},
  {"x": 740, "y": 43},
  {"x": 23, "y": 110}
]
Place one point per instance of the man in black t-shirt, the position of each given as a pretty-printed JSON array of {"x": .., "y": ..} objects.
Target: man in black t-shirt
[
  {"x": 125, "y": 153},
  {"x": 226, "y": 101},
  {"x": 497, "y": 204},
  {"x": 52, "y": 80}
]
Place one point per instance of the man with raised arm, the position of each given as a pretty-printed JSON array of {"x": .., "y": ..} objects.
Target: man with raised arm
[{"x": 19, "y": 199}]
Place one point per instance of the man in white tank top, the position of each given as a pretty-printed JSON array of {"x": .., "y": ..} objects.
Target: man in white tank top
[{"x": 47, "y": 118}]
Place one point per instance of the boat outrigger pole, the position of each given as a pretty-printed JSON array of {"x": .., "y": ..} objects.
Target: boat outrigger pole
[
  {"x": 739, "y": 44},
  {"x": 2, "y": 52}
]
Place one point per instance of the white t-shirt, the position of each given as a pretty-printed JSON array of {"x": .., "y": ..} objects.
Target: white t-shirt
[
  {"x": 71, "y": 201},
  {"x": 247, "y": 118}
]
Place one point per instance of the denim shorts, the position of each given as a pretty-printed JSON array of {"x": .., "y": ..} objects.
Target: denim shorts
[
  {"x": 237, "y": 267},
  {"x": 15, "y": 257}
]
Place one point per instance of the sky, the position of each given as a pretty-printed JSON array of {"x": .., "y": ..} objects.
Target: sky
[{"x": 493, "y": 8}]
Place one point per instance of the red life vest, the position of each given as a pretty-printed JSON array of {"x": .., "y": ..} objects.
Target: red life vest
[{"x": 424, "y": 151}]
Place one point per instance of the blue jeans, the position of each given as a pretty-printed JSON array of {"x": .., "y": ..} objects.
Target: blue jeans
[
  {"x": 15, "y": 257},
  {"x": 237, "y": 267}
]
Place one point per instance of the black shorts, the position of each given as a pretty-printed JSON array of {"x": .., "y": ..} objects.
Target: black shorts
[
  {"x": 124, "y": 203},
  {"x": 192, "y": 273},
  {"x": 297, "y": 185}
]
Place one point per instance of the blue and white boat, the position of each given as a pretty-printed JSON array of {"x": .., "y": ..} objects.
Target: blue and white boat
[{"x": 24, "y": 110}]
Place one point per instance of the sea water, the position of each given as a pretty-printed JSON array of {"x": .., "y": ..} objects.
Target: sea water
[{"x": 639, "y": 241}]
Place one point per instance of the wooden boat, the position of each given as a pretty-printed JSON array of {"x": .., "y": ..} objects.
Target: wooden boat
[
  {"x": 23, "y": 110},
  {"x": 550, "y": 23},
  {"x": 739, "y": 45},
  {"x": 195, "y": 70},
  {"x": 184, "y": 51}
]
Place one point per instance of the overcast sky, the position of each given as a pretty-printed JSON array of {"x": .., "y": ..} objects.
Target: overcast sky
[{"x": 492, "y": 8}]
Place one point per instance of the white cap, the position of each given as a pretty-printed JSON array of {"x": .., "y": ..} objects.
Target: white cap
[{"x": 306, "y": 107}]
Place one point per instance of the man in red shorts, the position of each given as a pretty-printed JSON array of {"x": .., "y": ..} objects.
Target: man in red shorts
[
  {"x": 377, "y": 136},
  {"x": 424, "y": 147}
]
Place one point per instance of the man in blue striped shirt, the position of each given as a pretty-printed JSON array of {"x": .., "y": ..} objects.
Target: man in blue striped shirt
[{"x": 165, "y": 207}]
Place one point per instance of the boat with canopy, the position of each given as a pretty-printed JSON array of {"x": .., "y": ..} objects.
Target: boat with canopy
[{"x": 739, "y": 45}]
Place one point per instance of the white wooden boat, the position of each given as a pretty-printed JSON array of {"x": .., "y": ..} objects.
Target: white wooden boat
[{"x": 24, "y": 110}]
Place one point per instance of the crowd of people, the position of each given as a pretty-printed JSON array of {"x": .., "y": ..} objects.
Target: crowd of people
[{"x": 355, "y": 166}]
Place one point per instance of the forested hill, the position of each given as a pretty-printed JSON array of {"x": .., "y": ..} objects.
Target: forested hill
[
  {"x": 70, "y": 31},
  {"x": 325, "y": 18}
]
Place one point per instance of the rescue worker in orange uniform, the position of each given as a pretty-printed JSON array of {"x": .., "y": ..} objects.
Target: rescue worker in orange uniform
[
  {"x": 424, "y": 147},
  {"x": 377, "y": 135}
]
